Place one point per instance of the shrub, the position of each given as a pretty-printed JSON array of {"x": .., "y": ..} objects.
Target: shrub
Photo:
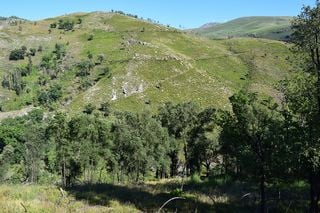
[
  {"x": 90, "y": 38},
  {"x": 66, "y": 25},
  {"x": 89, "y": 108},
  {"x": 17, "y": 54},
  {"x": 32, "y": 51},
  {"x": 53, "y": 25},
  {"x": 40, "y": 48},
  {"x": 195, "y": 179}
]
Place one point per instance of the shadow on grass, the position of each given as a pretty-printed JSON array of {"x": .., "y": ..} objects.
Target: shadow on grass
[
  {"x": 145, "y": 199},
  {"x": 101, "y": 194}
]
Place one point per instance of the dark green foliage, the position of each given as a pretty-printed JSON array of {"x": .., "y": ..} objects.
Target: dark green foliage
[
  {"x": 89, "y": 108},
  {"x": 79, "y": 21},
  {"x": 53, "y": 25},
  {"x": 306, "y": 114},
  {"x": 90, "y": 37},
  {"x": 178, "y": 119},
  {"x": 253, "y": 134},
  {"x": 65, "y": 24},
  {"x": 32, "y": 51},
  {"x": 85, "y": 83},
  {"x": 140, "y": 145},
  {"x": 105, "y": 108},
  {"x": 50, "y": 95},
  {"x": 59, "y": 51},
  {"x": 50, "y": 62},
  {"x": 84, "y": 68},
  {"x": 201, "y": 149},
  {"x": 17, "y": 54}
]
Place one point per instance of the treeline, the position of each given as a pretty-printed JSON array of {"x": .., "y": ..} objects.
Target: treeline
[
  {"x": 258, "y": 141},
  {"x": 98, "y": 144}
]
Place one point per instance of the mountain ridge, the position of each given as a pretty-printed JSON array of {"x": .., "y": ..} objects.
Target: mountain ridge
[{"x": 270, "y": 27}]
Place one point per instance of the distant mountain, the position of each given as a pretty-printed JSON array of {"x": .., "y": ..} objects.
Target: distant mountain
[
  {"x": 270, "y": 27},
  {"x": 209, "y": 25}
]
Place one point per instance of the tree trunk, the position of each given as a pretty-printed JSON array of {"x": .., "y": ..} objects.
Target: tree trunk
[
  {"x": 207, "y": 169},
  {"x": 174, "y": 164},
  {"x": 63, "y": 173},
  {"x": 314, "y": 192},
  {"x": 262, "y": 194}
]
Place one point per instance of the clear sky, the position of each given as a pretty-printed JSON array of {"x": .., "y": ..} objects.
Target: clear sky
[{"x": 185, "y": 13}]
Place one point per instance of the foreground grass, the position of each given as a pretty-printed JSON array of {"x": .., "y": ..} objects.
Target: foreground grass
[
  {"x": 19, "y": 198},
  {"x": 198, "y": 196}
]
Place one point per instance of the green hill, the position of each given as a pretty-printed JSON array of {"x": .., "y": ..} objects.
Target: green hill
[
  {"x": 144, "y": 64},
  {"x": 277, "y": 28}
]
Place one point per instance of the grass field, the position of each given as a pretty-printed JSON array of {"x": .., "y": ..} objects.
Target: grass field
[{"x": 195, "y": 196}]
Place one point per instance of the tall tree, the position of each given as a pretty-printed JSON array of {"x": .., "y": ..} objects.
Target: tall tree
[
  {"x": 306, "y": 38},
  {"x": 178, "y": 119},
  {"x": 202, "y": 149},
  {"x": 140, "y": 145},
  {"x": 59, "y": 132},
  {"x": 253, "y": 134},
  {"x": 301, "y": 109}
]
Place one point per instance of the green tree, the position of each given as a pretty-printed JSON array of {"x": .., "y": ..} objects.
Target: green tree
[
  {"x": 178, "y": 119},
  {"x": 140, "y": 145},
  {"x": 89, "y": 108},
  {"x": 253, "y": 134},
  {"x": 58, "y": 132},
  {"x": 17, "y": 54},
  {"x": 301, "y": 110},
  {"x": 105, "y": 108},
  {"x": 34, "y": 151},
  {"x": 202, "y": 150},
  {"x": 306, "y": 39}
]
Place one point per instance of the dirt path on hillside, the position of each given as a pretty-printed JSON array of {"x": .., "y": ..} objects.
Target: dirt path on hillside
[{"x": 16, "y": 113}]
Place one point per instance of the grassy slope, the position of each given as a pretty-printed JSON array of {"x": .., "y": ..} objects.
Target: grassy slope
[
  {"x": 263, "y": 27},
  {"x": 153, "y": 64}
]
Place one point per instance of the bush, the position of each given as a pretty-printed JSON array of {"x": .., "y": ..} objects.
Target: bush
[
  {"x": 40, "y": 48},
  {"x": 17, "y": 54},
  {"x": 51, "y": 95},
  {"x": 32, "y": 51},
  {"x": 90, "y": 38},
  {"x": 195, "y": 179},
  {"x": 66, "y": 25},
  {"x": 53, "y": 25},
  {"x": 89, "y": 108}
]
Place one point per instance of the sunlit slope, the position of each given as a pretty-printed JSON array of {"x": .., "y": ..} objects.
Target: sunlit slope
[
  {"x": 270, "y": 27},
  {"x": 149, "y": 64}
]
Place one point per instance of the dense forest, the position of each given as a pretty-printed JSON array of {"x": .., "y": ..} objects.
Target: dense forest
[{"x": 262, "y": 140}]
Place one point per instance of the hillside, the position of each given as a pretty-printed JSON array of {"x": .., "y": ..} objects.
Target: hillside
[
  {"x": 277, "y": 28},
  {"x": 142, "y": 64}
]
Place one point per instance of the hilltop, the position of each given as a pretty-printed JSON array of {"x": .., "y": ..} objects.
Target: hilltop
[
  {"x": 132, "y": 63},
  {"x": 269, "y": 27}
]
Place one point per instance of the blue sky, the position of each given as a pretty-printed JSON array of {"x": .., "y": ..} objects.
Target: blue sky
[{"x": 185, "y": 13}]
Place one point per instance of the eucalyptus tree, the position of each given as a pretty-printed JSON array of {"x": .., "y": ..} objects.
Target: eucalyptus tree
[{"x": 140, "y": 145}]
